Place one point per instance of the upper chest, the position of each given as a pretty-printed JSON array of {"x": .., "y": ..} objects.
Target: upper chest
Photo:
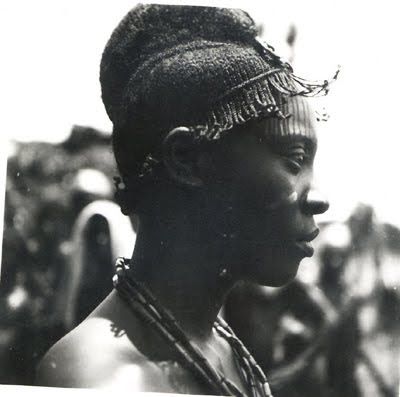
[
  {"x": 138, "y": 372},
  {"x": 164, "y": 377}
]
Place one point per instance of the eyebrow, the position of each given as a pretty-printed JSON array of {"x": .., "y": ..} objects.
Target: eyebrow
[{"x": 310, "y": 142}]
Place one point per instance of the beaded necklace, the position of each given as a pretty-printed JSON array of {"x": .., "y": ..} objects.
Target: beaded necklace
[{"x": 145, "y": 305}]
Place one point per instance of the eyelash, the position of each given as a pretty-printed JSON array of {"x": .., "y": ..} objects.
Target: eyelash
[{"x": 296, "y": 159}]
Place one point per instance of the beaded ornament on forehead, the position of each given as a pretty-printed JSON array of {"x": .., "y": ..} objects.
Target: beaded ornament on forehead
[{"x": 299, "y": 120}]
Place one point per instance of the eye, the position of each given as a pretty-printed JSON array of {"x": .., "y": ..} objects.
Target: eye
[{"x": 295, "y": 159}]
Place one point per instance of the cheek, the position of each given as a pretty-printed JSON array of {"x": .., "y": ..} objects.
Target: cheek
[
  {"x": 268, "y": 197},
  {"x": 283, "y": 201}
]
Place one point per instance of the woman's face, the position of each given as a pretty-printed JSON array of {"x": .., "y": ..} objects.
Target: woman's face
[{"x": 267, "y": 175}]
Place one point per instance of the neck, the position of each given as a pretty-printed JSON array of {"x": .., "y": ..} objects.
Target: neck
[{"x": 183, "y": 272}]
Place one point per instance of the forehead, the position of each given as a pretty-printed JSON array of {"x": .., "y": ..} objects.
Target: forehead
[{"x": 299, "y": 123}]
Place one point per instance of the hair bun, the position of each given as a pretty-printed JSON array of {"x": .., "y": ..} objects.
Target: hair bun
[{"x": 150, "y": 29}]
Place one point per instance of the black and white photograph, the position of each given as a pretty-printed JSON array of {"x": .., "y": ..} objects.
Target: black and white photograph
[{"x": 200, "y": 198}]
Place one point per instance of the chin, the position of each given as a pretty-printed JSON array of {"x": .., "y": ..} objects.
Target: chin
[{"x": 277, "y": 275}]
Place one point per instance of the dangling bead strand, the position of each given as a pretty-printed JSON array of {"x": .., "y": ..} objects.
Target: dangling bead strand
[
  {"x": 170, "y": 326},
  {"x": 142, "y": 302}
]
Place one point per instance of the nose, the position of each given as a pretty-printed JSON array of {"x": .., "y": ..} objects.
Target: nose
[{"x": 315, "y": 203}]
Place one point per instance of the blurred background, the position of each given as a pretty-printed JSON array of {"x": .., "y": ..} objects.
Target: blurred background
[{"x": 60, "y": 221}]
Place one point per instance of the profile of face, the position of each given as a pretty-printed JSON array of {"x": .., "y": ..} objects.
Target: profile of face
[{"x": 266, "y": 169}]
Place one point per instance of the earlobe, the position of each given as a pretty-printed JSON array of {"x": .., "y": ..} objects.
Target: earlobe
[{"x": 180, "y": 157}]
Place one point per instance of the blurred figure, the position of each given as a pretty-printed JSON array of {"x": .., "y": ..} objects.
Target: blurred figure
[
  {"x": 92, "y": 247},
  {"x": 321, "y": 343},
  {"x": 278, "y": 325},
  {"x": 96, "y": 243}
]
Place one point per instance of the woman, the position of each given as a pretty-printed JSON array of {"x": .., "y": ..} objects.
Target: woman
[{"x": 215, "y": 144}]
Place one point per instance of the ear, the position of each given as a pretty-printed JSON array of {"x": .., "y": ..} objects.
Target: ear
[{"x": 180, "y": 157}]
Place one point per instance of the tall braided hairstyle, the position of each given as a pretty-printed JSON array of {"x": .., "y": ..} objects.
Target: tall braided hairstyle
[{"x": 204, "y": 68}]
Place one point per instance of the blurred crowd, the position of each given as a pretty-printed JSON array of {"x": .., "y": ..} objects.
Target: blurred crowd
[
  {"x": 46, "y": 189},
  {"x": 332, "y": 332}
]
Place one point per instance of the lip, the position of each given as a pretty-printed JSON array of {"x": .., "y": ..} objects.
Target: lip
[
  {"x": 305, "y": 247},
  {"x": 304, "y": 243}
]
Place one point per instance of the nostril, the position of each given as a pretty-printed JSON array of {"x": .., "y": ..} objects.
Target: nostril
[{"x": 316, "y": 203}]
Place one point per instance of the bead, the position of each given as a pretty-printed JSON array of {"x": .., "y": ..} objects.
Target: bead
[
  {"x": 267, "y": 389},
  {"x": 140, "y": 299},
  {"x": 119, "y": 271},
  {"x": 115, "y": 280},
  {"x": 119, "y": 262}
]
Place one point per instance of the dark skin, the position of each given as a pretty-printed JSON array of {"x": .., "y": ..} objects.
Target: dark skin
[{"x": 251, "y": 206}]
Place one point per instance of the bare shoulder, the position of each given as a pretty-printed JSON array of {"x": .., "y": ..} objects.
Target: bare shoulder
[
  {"x": 99, "y": 354},
  {"x": 95, "y": 355}
]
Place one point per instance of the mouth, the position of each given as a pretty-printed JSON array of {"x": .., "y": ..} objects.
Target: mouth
[{"x": 304, "y": 243}]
